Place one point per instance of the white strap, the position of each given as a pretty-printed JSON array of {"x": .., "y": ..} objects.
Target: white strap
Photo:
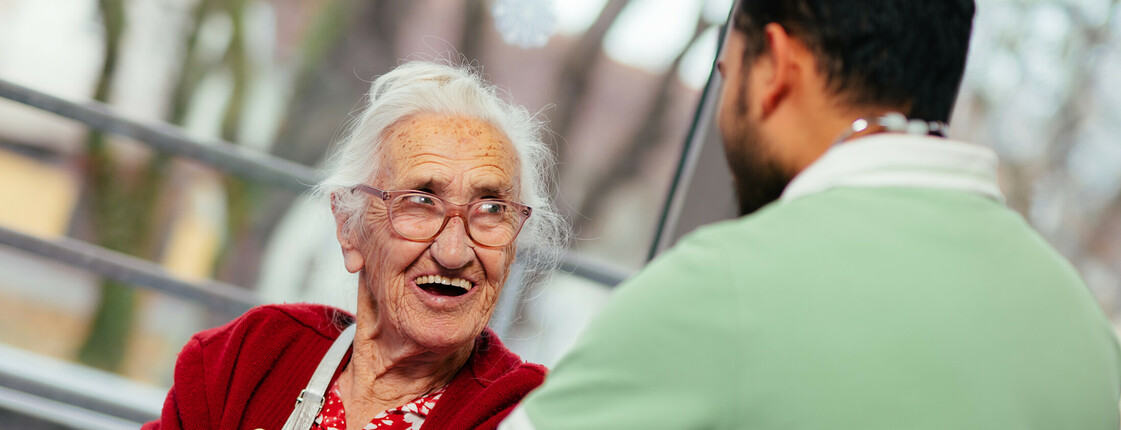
[{"x": 310, "y": 399}]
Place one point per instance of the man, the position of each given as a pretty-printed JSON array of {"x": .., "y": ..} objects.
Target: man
[{"x": 887, "y": 288}]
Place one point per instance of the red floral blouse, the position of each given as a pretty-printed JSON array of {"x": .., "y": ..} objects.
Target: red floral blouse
[{"x": 409, "y": 416}]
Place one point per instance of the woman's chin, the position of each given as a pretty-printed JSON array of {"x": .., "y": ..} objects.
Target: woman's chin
[{"x": 447, "y": 321}]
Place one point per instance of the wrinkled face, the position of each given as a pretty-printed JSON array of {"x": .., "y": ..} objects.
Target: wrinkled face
[
  {"x": 759, "y": 176},
  {"x": 417, "y": 287}
]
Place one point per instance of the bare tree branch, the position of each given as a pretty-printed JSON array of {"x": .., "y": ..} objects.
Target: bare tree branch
[
  {"x": 642, "y": 142},
  {"x": 474, "y": 25},
  {"x": 581, "y": 60}
]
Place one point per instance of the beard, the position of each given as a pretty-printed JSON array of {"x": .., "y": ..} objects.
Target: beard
[{"x": 759, "y": 178}]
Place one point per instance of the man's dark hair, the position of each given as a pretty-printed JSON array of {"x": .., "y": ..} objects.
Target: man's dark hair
[{"x": 882, "y": 53}]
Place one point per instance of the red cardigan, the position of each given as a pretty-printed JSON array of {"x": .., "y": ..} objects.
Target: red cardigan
[{"x": 247, "y": 374}]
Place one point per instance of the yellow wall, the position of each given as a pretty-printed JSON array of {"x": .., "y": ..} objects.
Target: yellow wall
[{"x": 35, "y": 197}]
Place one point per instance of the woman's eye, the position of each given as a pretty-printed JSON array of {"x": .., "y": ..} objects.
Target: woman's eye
[
  {"x": 491, "y": 208},
  {"x": 421, "y": 199}
]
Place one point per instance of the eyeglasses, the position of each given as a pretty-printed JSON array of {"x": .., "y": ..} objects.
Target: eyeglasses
[{"x": 420, "y": 216}]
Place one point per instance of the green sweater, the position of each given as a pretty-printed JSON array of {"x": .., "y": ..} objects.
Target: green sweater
[{"x": 847, "y": 308}]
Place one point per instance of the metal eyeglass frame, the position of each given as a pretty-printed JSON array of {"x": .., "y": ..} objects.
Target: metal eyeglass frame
[{"x": 450, "y": 210}]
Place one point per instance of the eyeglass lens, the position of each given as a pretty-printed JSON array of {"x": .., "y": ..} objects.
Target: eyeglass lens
[{"x": 420, "y": 216}]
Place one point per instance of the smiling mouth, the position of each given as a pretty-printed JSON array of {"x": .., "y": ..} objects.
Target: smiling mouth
[{"x": 444, "y": 286}]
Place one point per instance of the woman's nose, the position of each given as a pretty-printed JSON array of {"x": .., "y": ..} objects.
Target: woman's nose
[{"x": 452, "y": 247}]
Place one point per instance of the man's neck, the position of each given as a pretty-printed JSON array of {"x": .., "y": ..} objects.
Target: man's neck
[{"x": 815, "y": 129}]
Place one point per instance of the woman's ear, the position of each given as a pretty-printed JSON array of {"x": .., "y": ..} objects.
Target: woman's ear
[{"x": 352, "y": 256}]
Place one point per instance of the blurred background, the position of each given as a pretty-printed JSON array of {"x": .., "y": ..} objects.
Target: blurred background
[{"x": 273, "y": 83}]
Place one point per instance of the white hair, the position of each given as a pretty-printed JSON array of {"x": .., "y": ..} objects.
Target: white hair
[{"x": 429, "y": 87}]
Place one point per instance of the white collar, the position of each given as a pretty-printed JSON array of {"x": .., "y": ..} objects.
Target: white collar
[{"x": 900, "y": 160}]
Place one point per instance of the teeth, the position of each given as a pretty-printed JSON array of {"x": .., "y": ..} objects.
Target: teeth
[{"x": 437, "y": 279}]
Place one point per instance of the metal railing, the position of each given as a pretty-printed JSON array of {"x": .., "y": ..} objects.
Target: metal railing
[
  {"x": 44, "y": 390},
  {"x": 233, "y": 159},
  {"x": 218, "y": 296}
]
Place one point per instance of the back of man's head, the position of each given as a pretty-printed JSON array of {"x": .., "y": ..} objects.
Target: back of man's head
[{"x": 898, "y": 54}]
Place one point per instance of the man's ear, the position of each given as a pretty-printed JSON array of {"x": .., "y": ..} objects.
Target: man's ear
[
  {"x": 778, "y": 67},
  {"x": 352, "y": 256}
]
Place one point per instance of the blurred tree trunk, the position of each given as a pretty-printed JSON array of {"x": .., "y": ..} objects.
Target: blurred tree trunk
[
  {"x": 192, "y": 70},
  {"x": 241, "y": 195},
  {"x": 474, "y": 30},
  {"x": 118, "y": 223},
  {"x": 124, "y": 215},
  {"x": 351, "y": 42},
  {"x": 651, "y": 131},
  {"x": 578, "y": 65}
]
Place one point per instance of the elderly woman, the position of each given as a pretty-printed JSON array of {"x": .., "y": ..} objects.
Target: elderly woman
[{"x": 429, "y": 191}]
